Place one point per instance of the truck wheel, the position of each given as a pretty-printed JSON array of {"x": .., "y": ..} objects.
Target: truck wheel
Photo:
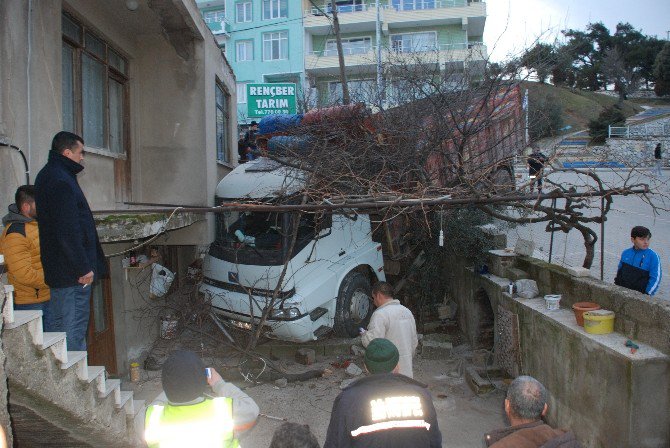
[{"x": 354, "y": 305}]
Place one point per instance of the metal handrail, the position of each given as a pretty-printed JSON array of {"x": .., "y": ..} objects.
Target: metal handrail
[
  {"x": 639, "y": 130},
  {"x": 371, "y": 49},
  {"x": 418, "y": 5}
]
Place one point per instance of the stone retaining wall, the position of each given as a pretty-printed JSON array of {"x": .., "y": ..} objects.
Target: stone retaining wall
[
  {"x": 638, "y": 316},
  {"x": 608, "y": 396}
]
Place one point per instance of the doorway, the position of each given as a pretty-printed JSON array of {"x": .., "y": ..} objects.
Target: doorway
[{"x": 101, "y": 345}]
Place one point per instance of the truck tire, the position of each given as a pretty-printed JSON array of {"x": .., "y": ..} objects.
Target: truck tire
[{"x": 354, "y": 305}]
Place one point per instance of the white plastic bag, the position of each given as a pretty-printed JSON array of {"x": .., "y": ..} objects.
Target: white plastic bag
[{"x": 161, "y": 279}]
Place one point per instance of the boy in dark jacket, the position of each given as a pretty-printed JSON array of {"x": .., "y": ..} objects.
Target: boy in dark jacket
[{"x": 71, "y": 253}]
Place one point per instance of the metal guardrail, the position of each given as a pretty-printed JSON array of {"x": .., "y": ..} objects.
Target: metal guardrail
[{"x": 640, "y": 130}]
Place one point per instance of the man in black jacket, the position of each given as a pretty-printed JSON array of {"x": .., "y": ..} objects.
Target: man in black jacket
[
  {"x": 383, "y": 410},
  {"x": 71, "y": 253}
]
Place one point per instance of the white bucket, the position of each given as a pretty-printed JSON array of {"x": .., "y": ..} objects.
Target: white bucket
[{"x": 553, "y": 301}]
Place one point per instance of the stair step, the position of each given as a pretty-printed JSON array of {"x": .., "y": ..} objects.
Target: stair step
[
  {"x": 50, "y": 338},
  {"x": 112, "y": 386},
  {"x": 94, "y": 372},
  {"x": 23, "y": 317},
  {"x": 126, "y": 400},
  {"x": 73, "y": 358},
  {"x": 139, "y": 406}
]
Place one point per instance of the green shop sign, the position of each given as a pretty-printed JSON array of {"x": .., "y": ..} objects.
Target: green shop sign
[{"x": 267, "y": 99}]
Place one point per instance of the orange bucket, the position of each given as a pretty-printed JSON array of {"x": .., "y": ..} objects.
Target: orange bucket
[{"x": 580, "y": 308}]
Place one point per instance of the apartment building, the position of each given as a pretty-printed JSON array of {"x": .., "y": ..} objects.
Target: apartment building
[
  {"x": 272, "y": 41},
  {"x": 262, "y": 39},
  {"x": 444, "y": 32}
]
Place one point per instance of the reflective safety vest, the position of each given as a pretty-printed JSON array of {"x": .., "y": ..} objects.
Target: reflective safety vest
[{"x": 208, "y": 424}]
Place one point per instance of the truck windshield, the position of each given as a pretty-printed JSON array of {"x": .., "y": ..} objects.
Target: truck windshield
[
  {"x": 263, "y": 238},
  {"x": 250, "y": 237}
]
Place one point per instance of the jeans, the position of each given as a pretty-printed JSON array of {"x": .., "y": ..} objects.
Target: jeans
[
  {"x": 659, "y": 165},
  {"x": 70, "y": 309},
  {"x": 44, "y": 307}
]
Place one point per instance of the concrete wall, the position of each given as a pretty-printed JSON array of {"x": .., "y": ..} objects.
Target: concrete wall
[
  {"x": 638, "y": 316},
  {"x": 172, "y": 75},
  {"x": 606, "y": 395}
]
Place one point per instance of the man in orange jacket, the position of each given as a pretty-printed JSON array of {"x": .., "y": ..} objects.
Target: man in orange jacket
[{"x": 20, "y": 244}]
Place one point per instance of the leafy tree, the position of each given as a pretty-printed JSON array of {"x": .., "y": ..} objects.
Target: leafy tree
[
  {"x": 610, "y": 116},
  {"x": 540, "y": 58},
  {"x": 662, "y": 72}
]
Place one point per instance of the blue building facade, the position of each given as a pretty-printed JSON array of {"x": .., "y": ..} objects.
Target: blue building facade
[{"x": 263, "y": 42}]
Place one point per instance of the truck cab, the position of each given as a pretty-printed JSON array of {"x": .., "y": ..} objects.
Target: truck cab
[{"x": 329, "y": 269}]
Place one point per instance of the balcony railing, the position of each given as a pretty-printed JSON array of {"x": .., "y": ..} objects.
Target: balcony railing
[
  {"x": 371, "y": 50},
  {"x": 398, "y": 5}
]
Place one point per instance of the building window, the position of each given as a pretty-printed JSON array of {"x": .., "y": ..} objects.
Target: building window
[
  {"x": 243, "y": 12},
  {"x": 347, "y": 6},
  {"x": 222, "y": 121},
  {"x": 359, "y": 45},
  {"x": 94, "y": 88},
  {"x": 414, "y": 42},
  {"x": 242, "y": 92},
  {"x": 275, "y": 9},
  {"x": 362, "y": 90},
  {"x": 275, "y": 46},
  {"x": 217, "y": 16},
  {"x": 411, "y": 5},
  {"x": 245, "y": 50}
]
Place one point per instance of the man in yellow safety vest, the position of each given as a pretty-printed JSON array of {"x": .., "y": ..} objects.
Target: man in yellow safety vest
[{"x": 186, "y": 415}]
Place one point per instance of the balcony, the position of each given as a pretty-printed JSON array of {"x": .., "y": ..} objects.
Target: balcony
[
  {"x": 399, "y": 14},
  {"x": 325, "y": 63}
]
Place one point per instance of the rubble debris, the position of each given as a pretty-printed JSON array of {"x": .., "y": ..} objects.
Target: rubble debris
[
  {"x": 357, "y": 350},
  {"x": 483, "y": 381},
  {"x": 281, "y": 382},
  {"x": 448, "y": 310},
  {"x": 436, "y": 346},
  {"x": 305, "y": 356},
  {"x": 353, "y": 370}
]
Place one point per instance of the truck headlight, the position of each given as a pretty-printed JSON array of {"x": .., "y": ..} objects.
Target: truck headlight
[{"x": 285, "y": 313}]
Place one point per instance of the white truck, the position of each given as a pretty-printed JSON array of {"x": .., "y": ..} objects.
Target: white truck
[{"x": 330, "y": 270}]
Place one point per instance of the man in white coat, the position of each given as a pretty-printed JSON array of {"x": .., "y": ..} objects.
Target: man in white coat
[{"x": 394, "y": 322}]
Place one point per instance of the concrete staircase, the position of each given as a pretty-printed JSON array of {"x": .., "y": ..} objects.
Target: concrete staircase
[{"x": 45, "y": 376}]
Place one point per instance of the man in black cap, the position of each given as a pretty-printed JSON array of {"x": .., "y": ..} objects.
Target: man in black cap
[
  {"x": 187, "y": 415},
  {"x": 383, "y": 410}
]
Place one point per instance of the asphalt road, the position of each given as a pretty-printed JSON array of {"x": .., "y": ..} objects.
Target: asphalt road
[{"x": 627, "y": 211}]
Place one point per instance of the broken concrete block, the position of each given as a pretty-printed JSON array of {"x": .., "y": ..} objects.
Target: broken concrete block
[
  {"x": 357, "y": 350},
  {"x": 347, "y": 382},
  {"x": 353, "y": 370},
  {"x": 305, "y": 356},
  {"x": 478, "y": 384},
  {"x": 281, "y": 382},
  {"x": 524, "y": 247},
  {"x": 578, "y": 272},
  {"x": 499, "y": 261},
  {"x": 447, "y": 311},
  {"x": 436, "y": 346}
]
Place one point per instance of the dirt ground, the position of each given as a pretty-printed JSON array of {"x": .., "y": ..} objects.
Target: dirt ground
[{"x": 463, "y": 417}]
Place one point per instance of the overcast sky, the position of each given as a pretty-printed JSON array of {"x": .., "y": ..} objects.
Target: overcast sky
[{"x": 512, "y": 25}]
